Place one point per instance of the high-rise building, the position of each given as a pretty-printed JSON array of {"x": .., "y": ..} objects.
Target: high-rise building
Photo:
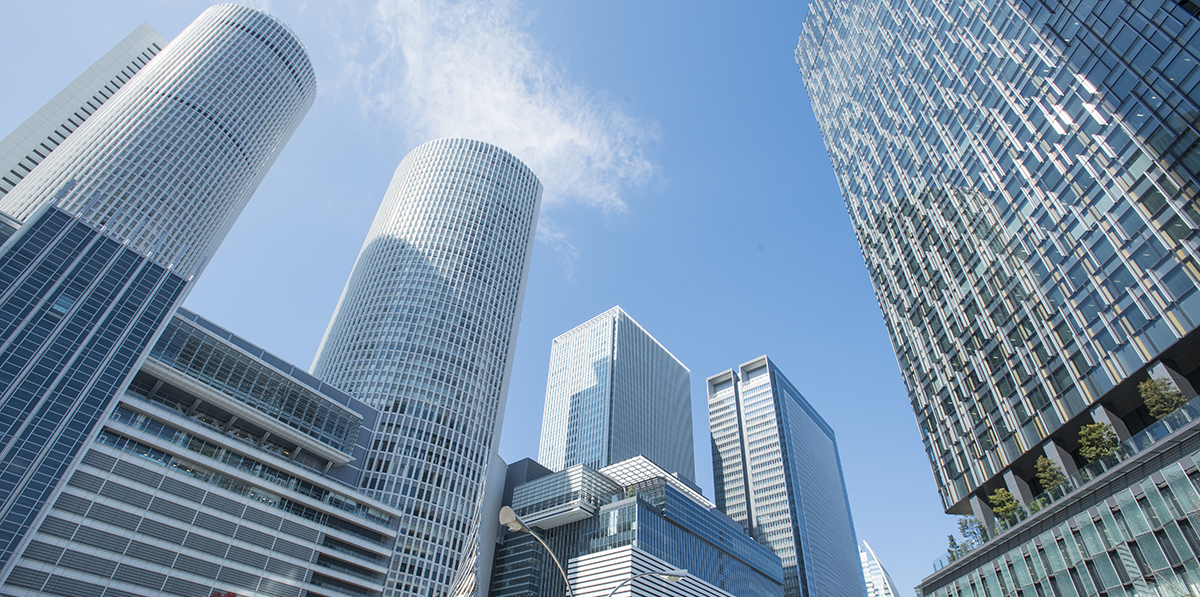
[
  {"x": 115, "y": 225},
  {"x": 24, "y": 148},
  {"x": 627, "y": 518},
  {"x": 777, "y": 472},
  {"x": 425, "y": 332},
  {"x": 218, "y": 470},
  {"x": 879, "y": 582},
  {"x": 1022, "y": 179},
  {"x": 613, "y": 393}
]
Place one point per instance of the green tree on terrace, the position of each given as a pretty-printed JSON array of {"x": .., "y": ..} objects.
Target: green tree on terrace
[
  {"x": 1160, "y": 396},
  {"x": 1049, "y": 475},
  {"x": 1003, "y": 503},
  {"x": 1097, "y": 441}
]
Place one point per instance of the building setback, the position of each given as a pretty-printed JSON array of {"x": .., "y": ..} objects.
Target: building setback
[
  {"x": 219, "y": 469},
  {"x": 614, "y": 392},
  {"x": 1022, "y": 178},
  {"x": 24, "y": 148},
  {"x": 116, "y": 224},
  {"x": 627, "y": 518},
  {"x": 777, "y": 472},
  {"x": 425, "y": 332}
]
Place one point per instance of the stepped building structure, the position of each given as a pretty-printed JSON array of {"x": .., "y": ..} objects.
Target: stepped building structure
[{"x": 219, "y": 469}]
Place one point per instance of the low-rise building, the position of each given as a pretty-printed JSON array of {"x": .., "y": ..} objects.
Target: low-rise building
[{"x": 220, "y": 469}]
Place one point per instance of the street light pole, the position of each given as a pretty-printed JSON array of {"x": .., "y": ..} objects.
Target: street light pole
[
  {"x": 672, "y": 576},
  {"x": 514, "y": 523}
]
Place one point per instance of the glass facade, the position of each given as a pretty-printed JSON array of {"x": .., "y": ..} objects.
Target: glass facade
[
  {"x": 777, "y": 473},
  {"x": 425, "y": 333},
  {"x": 613, "y": 393},
  {"x": 1137, "y": 539},
  {"x": 1021, "y": 176},
  {"x": 116, "y": 223},
  {"x": 76, "y": 312},
  {"x": 175, "y": 495},
  {"x": 205, "y": 358},
  {"x": 651, "y": 515}
]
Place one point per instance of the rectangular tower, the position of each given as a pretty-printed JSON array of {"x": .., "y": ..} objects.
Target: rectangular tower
[
  {"x": 24, "y": 148},
  {"x": 614, "y": 392},
  {"x": 777, "y": 472}
]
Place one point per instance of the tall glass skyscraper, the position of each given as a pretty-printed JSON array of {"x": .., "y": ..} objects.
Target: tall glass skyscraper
[
  {"x": 777, "y": 472},
  {"x": 117, "y": 223},
  {"x": 1023, "y": 184},
  {"x": 1022, "y": 179},
  {"x": 425, "y": 332},
  {"x": 614, "y": 393}
]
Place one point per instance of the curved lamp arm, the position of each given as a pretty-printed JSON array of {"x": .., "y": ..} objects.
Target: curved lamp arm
[
  {"x": 671, "y": 576},
  {"x": 514, "y": 523}
]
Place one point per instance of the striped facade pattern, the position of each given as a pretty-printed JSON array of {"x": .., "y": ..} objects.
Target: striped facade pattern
[{"x": 425, "y": 332}]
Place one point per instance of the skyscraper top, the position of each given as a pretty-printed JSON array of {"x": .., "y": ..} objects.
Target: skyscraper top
[
  {"x": 614, "y": 312},
  {"x": 231, "y": 142},
  {"x": 613, "y": 392},
  {"x": 30, "y": 143}
]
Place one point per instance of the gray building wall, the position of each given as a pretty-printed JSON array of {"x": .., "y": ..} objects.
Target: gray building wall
[{"x": 778, "y": 473}]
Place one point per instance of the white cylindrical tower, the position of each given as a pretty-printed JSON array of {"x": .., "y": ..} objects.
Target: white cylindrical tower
[
  {"x": 425, "y": 332},
  {"x": 115, "y": 225},
  {"x": 170, "y": 161}
]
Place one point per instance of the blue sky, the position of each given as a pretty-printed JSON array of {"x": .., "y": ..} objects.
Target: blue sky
[{"x": 686, "y": 180}]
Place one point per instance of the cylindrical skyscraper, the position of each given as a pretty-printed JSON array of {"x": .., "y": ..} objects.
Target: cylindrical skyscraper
[
  {"x": 425, "y": 332},
  {"x": 173, "y": 158},
  {"x": 116, "y": 223}
]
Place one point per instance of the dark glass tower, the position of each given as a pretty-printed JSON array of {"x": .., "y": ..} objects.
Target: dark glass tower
[
  {"x": 116, "y": 224},
  {"x": 1022, "y": 179}
]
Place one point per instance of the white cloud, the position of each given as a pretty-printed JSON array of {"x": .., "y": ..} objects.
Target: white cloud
[{"x": 470, "y": 69}]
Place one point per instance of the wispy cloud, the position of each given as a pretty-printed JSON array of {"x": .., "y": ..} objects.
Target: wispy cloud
[{"x": 470, "y": 68}]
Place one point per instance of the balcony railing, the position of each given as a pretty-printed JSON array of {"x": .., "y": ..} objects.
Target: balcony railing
[{"x": 1124, "y": 451}]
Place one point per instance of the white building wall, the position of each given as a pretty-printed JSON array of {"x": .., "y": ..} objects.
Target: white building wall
[
  {"x": 30, "y": 143},
  {"x": 595, "y": 575},
  {"x": 425, "y": 332},
  {"x": 172, "y": 159}
]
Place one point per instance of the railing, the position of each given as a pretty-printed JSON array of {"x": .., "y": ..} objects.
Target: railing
[
  {"x": 364, "y": 557},
  {"x": 349, "y": 571},
  {"x": 339, "y": 589},
  {"x": 1124, "y": 451}
]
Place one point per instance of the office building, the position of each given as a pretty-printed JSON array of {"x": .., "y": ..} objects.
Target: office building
[
  {"x": 425, "y": 332},
  {"x": 24, "y": 148},
  {"x": 626, "y": 518},
  {"x": 613, "y": 393},
  {"x": 219, "y": 469},
  {"x": 1022, "y": 180},
  {"x": 879, "y": 582},
  {"x": 116, "y": 224},
  {"x": 777, "y": 473}
]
